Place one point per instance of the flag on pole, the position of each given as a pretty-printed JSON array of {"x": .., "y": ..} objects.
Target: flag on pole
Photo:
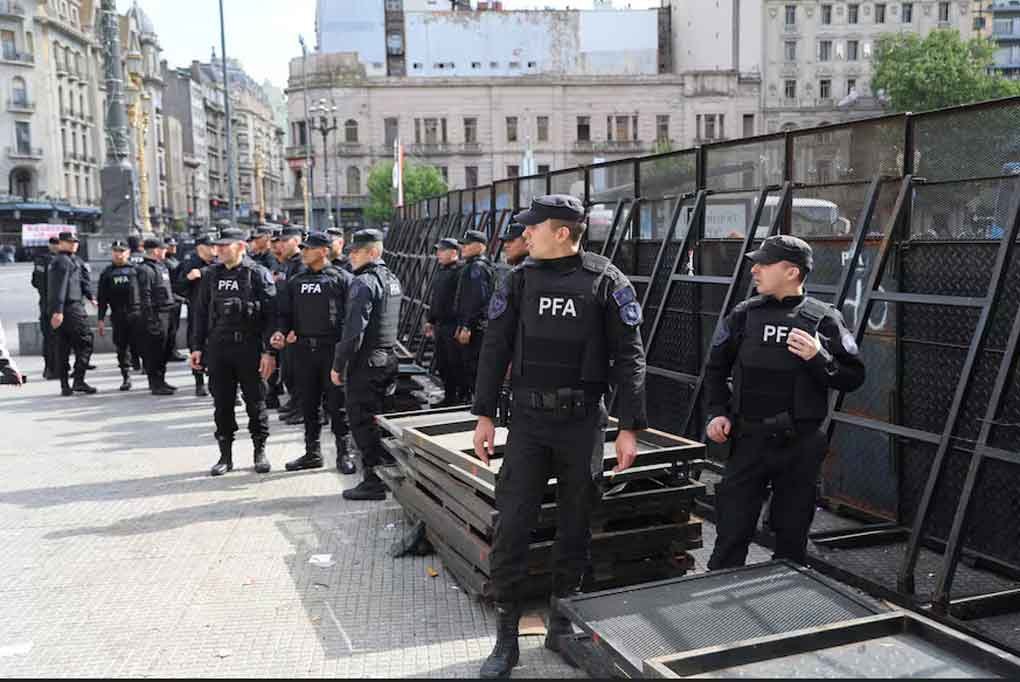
[{"x": 398, "y": 171}]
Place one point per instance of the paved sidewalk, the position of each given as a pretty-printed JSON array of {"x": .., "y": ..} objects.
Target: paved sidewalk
[{"x": 120, "y": 556}]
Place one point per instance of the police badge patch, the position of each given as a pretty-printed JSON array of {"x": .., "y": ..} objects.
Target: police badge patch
[
  {"x": 631, "y": 314},
  {"x": 624, "y": 296},
  {"x": 497, "y": 305}
]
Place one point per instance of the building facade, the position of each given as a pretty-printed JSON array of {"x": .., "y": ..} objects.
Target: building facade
[{"x": 1006, "y": 34}]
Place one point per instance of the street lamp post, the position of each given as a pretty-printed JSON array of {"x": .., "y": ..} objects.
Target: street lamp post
[{"x": 326, "y": 124}]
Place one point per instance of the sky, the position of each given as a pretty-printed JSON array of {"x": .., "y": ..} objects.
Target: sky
[{"x": 263, "y": 34}]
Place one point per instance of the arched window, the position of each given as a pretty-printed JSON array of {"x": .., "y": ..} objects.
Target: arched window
[
  {"x": 351, "y": 130},
  {"x": 353, "y": 181},
  {"x": 21, "y": 183},
  {"x": 19, "y": 93}
]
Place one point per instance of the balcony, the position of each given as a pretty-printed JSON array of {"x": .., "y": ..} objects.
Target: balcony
[
  {"x": 21, "y": 153},
  {"x": 15, "y": 57},
  {"x": 618, "y": 146},
  {"x": 471, "y": 148},
  {"x": 9, "y": 9},
  {"x": 430, "y": 149},
  {"x": 20, "y": 106},
  {"x": 296, "y": 151},
  {"x": 350, "y": 148},
  {"x": 1011, "y": 34}
]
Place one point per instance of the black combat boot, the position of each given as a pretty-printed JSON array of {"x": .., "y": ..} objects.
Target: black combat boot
[
  {"x": 262, "y": 465},
  {"x": 200, "y": 389},
  {"x": 65, "y": 388},
  {"x": 505, "y": 655},
  {"x": 344, "y": 459},
  {"x": 559, "y": 626},
  {"x": 226, "y": 462},
  {"x": 81, "y": 387},
  {"x": 371, "y": 488},
  {"x": 126, "y": 376},
  {"x": 312, "y": 459}
]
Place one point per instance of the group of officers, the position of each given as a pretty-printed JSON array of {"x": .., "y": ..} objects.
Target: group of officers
[{"x": 553, "y": 325}]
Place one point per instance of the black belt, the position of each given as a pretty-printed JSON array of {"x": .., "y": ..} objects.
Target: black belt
[
  {"x": 778, "y": 425},
  {"x": 233, "y": 337},
  {"x": 567, "y": 402},
  {"x": 316, "y": 342}
]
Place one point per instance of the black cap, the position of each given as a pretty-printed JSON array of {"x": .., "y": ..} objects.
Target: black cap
[
  {"x": 474, "y": 237},
  {"x": 316, "y": 240},
  {"x": 67, "y": 237},
  {"x": 560, "y": 206},
  {"x": 512, "y": 232},
  {"x": 54, "y": 240},
  {"x": 153, "y": 244},
  {"x": 335, "y": 232},
  {"x": 362, "y": 238},
  {"x": 447, "y": 243},
  {"x": 291, "y": 232},
  {"x": 783, "y": 247},
  {"x": 170, "y": 241},
  {"x": 263, "y": 231},
  {"x": 118, "y": 245},
  {"x": 203, "y": 240},
  {"x": 230, "y": 235}
]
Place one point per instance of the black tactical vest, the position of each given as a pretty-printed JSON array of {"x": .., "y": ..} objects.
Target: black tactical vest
[
  {"x": 561, "y": 338},
  {"x": 162, "y": 291},
  {"x": 444, "y": 291},
  {"x": 233, "y": 306},
  {"x": 125, "y": 298},
  {"x": 381, "y": 333},
  {"x": 767, "y": 378},
  {"x": 318, "y": 299},
  {"x": 74, "y": 290}
]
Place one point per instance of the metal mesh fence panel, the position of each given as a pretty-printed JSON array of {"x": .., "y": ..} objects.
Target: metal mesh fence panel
[
  {"x": 745, "y": 165},
  {"x": 857, "y": 151},
  {"x": 972, "y": 142}
]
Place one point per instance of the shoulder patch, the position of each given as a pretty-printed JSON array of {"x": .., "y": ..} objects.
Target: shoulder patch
[
  {"x": 631, "y": 314},
  {"x": 497, "y": 304},
  {"x": 624, "y": 295},
  {"x": 722, "y": 333},
  {"x": 593, "y": 262}
]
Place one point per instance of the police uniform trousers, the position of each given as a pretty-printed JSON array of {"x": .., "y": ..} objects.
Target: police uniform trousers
[
  {"x": 171, "y": 335},
  {"x": 449, "y": 363},
  {"x": 73, "y": 335},
  {"x": 542, "y": 446},
  {"x": 469, "y": 360},
  {"x": 760, "y": 459},
  {"x": 233, "y": 361},
  {"x": 199, "y": 374},
  {"x": 313, "y": 360},
  {"x": 367, "y": 388},
  {"x": 125, "y": 338},
  {"x": 154, "y": 346},
  {"x": 48, "y": 345},
  {"x": 288, "y": 375}
]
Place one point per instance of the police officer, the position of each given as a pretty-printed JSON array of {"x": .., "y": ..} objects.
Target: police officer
[
  {"x": 474, "y": 288},
  {"x": 336, "y": 249},
  {"x": 365, "y": 361},
  {"x": 187, "y": 285},
  {"x": 39, "y": 269},
  {"x": 137, "y": 254},
  {"x": 441, "y": 323},
  {"x": 785, "y": 351},
  {"x": 514, "y": 251},
  {"x": 311, "y": 318},
  {"x": 289, "y": 265},
  {"x": 173, "y": 265},
  {"x": 157, "y": 302},
  {"x": 260, "y": 246},
  {"x": 66, "y": 309},
  {"x": 119, "y": 292},
  {"x": 569, "y": 324},
  {"x": 233, "y": 322}
]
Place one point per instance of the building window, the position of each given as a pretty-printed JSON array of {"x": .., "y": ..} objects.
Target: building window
[
  {"x": 543, "y": 169},
  {"x": 583, "y": 128},
  {"x": 709, "y": 127},
  {"x": 623, "y": 128},
  {"x": 907, "y": 13},
  {"x": 979, "y": 23},
  {"x": 852, "y": 13},
  {"x": 826, "y": 15},
  {"x": 353, "y": 181},
  {"x": 302, "y": 134},
  {"x": 542, "y": 124},
  {"x": 851, "y": 85},
  {"x": 662, "y": 128},
  {"x": 511, "y": 128},
  {"x": 791, "y": 15},
  {"x": 445, "y": 172},
  {"x": 944, "y": 12},
  {"x": 417, "y": 131},
  {"x": 471, "y": 176},
  {"x": 350, "y": 130},
  {"x": 23, "y": 137},
  {"x": 9, "y": 48},
  {"x": 825, "y": 88},
  {"x": 390, "y": 132},
  {"x": 790, "y": 50},
  {"x": 476, "y": 65},
  {"x": 19, "y": 93},
  {"x": 824, "y": 50},
  {"x": 431, "y": 131},
  {"x": 852, "y": 50},
  {"x": 748, "y": 125},
  {"x": 634, "y": 128},
  {"x": 471, "y": 130},
  {"x": 790, "y": 89},
  {"x": 880, "y": 13},
  {"x": 513, "y": 171}
]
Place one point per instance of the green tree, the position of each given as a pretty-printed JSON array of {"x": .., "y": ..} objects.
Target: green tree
[
  {"x": 420, "y": 182},
  {"x": 938, "y": 71}
]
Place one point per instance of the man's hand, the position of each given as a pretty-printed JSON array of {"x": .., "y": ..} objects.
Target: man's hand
[
  {"x": 335, "y": 377},
  {"x": 196, "y": 360},
  {"x": 194, "y": 274},
  {"x": 292, "y": 337},
  {"x": 803, "y": 345},
  {"x": 57, "y": 320},
  {"x": 719, "y": 429},
  {"x": 463, "y": 336},
  {"x": 485, "y": 437},
  {"x": 626, "y": 450},
  {"x": 277, "y": 341},
  {"x": 428, "y": 330},
  {"x": 101, "y": 327},
  {"x": 267, "y": 365}
]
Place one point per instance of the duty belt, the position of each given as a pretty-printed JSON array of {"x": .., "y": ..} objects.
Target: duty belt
[
  {"x": 563, "y": 402},
  {"x": 233, "y": 337},
  {"x": 781, "y": 426},
  {"x": 316, "y": 342}
]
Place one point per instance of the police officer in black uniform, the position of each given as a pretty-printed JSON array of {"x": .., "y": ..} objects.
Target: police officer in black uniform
[
  {"x": 120, "y": 293},
  {"x": 187, "y": 285},
  {"x": 514, "y": 251},
  {"x": 785, "y": 351},
  {"x": 568, "y": 323},
  {"x": 311, "y": 318},
  {"x": 260, "y": 246},
  {"x": 336, "y": 249},
  {"x": 365, "y": 362},
  {"x": 441, "y": 323},
  {"x": 173, "y": 265},
  {"x": 39, "y": 269},
  {"x": 66, "y": 309},
  {"x": 474, "y": 289},
  {"x": 157, "y": 303},
  {"x": 137, "y": 254},
  {"x": 233, "y": 323},
  {"x": 289, "y": 265}
]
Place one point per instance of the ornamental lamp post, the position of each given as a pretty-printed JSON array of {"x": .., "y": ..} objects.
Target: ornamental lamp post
[{"x": 323, "y": 119}]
